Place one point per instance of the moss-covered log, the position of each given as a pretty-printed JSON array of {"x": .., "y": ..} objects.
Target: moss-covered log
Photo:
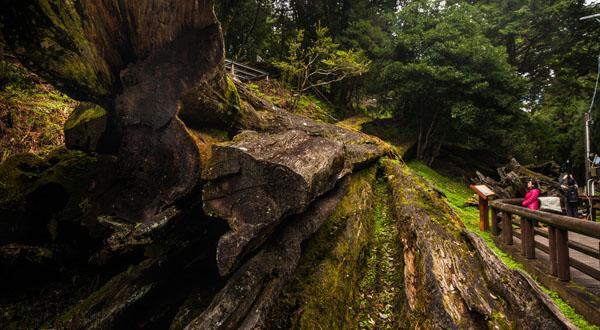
[
  {"x": 451, "y": 281},
  {"x": 325, "y": 289},
  {"x": 258, "y": 179},
  {"x": 250, "y": 293}
]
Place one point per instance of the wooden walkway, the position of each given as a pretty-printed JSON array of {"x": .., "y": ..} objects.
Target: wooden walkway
[
  {"x": 561, "y": 252},
  {"x": 578, "y": 277}
]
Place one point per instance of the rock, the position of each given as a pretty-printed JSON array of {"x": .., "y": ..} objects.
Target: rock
[
  {"x": 259, "y": 179},
  {"x": 85, "y": 127},
  {"x": 250, "y": 293}
]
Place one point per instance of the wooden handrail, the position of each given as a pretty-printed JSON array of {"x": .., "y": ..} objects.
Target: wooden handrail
[{"x": 587, "y": 228}]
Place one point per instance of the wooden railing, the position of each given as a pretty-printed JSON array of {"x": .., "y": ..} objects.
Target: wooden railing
[
  {"x": 559, "y": 227},
  {"x": 244, "y": 72}
]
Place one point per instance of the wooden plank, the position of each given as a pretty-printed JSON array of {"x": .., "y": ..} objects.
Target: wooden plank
[{"x": 585, "y": 300}]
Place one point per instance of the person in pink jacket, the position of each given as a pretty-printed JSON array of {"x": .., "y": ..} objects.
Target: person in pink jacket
[{"x": 532, "y": 200}]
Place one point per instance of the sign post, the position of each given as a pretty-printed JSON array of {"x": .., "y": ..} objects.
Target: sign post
[{"x": 484, "y": 193}]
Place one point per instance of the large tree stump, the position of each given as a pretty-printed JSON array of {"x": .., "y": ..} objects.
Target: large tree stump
[
  {"x": 136, "y": 61},
  {"x": 258, "y": 179}
]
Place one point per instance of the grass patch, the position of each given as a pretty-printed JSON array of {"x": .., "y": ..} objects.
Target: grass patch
[{"x": 457, "y": 193}]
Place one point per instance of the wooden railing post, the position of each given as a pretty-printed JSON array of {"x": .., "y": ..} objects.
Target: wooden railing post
[
  {"x": 484, "y": 221},
  {"x": 562, "y": 254},
  {"x": 495, "y": 228},
  {"x": 507, "y": 234},
  {"x": 494, "y": 222},
  {"x": 527, "y": 238},
  {"x": 524, "y": 241},
  {"x": 552, "y": 252}
]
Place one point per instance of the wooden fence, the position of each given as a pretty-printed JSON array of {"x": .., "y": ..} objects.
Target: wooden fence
[{"x": 559, "y": 227}]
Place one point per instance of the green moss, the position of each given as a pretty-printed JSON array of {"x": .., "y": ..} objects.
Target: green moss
[
  {"x": 85, "y": 116},
  {"x": 381, "y": 288},
  {"x": 64, "y": 50},
  {"x": 76, "y": 174},
  {"x": 325, "y": 290},
  {"x": 37, "y": 112},
  {"x": 457, "y": 194},
  {"x": 231, "y": 94}
]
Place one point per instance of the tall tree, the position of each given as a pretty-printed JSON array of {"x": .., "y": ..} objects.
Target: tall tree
[{"x": 449, "y": 80}]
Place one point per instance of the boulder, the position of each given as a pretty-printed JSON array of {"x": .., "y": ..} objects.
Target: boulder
[{"x": 258, "y": 179}]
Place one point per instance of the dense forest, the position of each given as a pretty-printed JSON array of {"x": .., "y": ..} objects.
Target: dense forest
[
  {"x": 295, "y": 164},
  {"x": 507, "y": 78}
]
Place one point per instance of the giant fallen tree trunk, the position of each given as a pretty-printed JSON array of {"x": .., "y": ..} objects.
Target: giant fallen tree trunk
[
  {"x": 248, "y": 296},
  {"x": 258, "y": 179}
]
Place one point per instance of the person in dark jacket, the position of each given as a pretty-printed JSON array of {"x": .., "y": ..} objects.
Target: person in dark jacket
[{"x": 571, "y": 195}]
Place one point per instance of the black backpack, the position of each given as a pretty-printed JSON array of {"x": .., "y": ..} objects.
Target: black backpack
[{"x": 572, "y": 195}]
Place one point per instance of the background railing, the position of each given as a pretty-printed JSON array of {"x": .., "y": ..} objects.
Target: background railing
[{"x": 244, "y": 72}]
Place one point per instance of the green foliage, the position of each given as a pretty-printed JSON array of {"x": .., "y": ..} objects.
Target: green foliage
[
  {"x": 320, "y": 63},
  {"x": 249, "y": 28},
  {"x": 449, "y": 80},
  {"x": 556, "y": 52},
  {"x": 510, "y": 77}
]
